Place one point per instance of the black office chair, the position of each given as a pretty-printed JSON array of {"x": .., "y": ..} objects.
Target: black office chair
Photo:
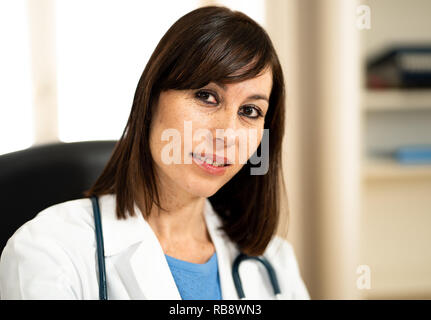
[{"x": 36, "y": 178}]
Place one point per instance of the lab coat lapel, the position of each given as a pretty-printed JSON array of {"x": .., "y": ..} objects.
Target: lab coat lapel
[
  {"x": 254, "y": 276},
  {"x": 151, "y": 271},
  {"x": 140, "y": 261},
  {"x": 136, "y": 254},
  {"x": 226, "y": 252}
]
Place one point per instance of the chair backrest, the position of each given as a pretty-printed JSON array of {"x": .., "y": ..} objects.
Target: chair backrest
[{"x": 36, "y": 178}]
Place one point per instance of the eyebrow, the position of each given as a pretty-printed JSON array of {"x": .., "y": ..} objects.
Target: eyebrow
[
  {"x": 258, "y": 97},
  {"x": 252, "y": 97}
]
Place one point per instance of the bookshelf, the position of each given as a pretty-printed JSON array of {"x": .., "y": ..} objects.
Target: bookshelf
[
  {"x": 387, "y": 168},
  {"x": 397, "y": 100},
  {"x": 393, "y": 118},
  {"x": 395, "y": 198},
  {"x": 396, "y": 202}
]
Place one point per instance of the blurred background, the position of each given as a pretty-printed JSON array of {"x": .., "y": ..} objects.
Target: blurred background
[{"x": 357, "y": 149}]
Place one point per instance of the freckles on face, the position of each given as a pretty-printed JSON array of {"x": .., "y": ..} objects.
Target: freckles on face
[{"x": 187, "y": 113}]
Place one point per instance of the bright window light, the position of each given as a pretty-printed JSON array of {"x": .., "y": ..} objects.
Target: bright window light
[
  {"x": 16, "y": 125},
  {"x": 102, "y": 49}
]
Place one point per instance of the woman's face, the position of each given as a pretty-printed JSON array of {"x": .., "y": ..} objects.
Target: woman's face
[{"x": 186, "y": 140}]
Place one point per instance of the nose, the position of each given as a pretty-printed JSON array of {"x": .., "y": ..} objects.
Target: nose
[
  {"x": 225, "y": 135},
  {"x": 224, "y": 130}
]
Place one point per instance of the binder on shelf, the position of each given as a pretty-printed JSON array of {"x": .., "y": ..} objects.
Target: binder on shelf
[
  {"x": 414, "y": 154},
  {"x": 400, "y": 67}
]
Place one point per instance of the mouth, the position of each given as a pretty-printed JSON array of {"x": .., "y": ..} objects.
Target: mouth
[{"x": 210, "y": 163}]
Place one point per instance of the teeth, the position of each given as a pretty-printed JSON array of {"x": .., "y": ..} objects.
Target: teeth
[
  {"x": 209, "y": 161},
  {"x": 218, "y": 164}
]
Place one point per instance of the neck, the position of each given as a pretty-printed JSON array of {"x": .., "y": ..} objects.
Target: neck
[
  {"x": 180, "y": 223},
  {"x": 182, "y": 220},
  {"x": 182, "y": 231}
]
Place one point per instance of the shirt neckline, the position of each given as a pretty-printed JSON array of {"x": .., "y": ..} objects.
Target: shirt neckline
[{"x": 206, "y": 267}]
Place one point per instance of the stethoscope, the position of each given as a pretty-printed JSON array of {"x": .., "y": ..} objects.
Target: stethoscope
[{"x": 103, "y": 289}]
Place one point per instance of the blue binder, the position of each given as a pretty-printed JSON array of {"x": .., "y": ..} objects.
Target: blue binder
[{"x": 414, "y": 154}]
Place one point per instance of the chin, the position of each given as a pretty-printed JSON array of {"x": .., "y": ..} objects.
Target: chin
[
  {"x": 204, "y": 190},
  {"x": 201, "y": 187}
]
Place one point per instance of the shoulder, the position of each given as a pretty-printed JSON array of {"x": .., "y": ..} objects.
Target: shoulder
[
  {"x": 45, "y": 257},
  {"x": 58, "y": 223},
  {"x": 67, "y": 226},
  {"x": 281, "y": 254},
  {"x": 281, "y": 248}
]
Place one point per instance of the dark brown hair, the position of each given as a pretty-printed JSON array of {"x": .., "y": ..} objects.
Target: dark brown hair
[{"x": 208, "y": 44}]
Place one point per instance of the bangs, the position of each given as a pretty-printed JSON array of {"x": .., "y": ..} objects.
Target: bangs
[{"x": 223, "y": 50}]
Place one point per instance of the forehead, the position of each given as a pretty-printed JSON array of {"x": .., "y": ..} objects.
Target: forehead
[{"x": 261, "y": 84}]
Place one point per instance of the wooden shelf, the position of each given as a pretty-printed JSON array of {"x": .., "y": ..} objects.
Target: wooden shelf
[
  {"x": 390, "y": 169},
  {"x": 396, "y": 99}
]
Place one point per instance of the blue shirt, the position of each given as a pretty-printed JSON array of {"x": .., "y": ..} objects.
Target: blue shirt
[{"x": 196, "y": 281}]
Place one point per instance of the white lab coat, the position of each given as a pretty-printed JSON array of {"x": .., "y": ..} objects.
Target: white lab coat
[{"x": 53, "y": 256}]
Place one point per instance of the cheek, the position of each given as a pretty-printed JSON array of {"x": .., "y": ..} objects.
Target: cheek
[
  {"x": 168, "y": 120},
  {"x": 254, "y": 138}
]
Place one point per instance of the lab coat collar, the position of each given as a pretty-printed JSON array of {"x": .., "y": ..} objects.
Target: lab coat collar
[
  {"x": 226, "y": 252},
  {"x": 120, "y": 234},
  {"x": 155, "y": 279}
]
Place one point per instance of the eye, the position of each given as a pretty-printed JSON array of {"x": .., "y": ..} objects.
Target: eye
[
  {"x": 207, "y": 96},
  {"x": 251, "y": 111}
]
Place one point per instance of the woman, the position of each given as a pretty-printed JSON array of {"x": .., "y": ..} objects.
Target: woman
[{"x": 172, "y": 229}]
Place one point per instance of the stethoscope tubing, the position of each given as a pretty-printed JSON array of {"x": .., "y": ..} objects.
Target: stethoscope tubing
[
  {"x": 103, "y": 290},
  {"x": 237, "y": 279}
]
